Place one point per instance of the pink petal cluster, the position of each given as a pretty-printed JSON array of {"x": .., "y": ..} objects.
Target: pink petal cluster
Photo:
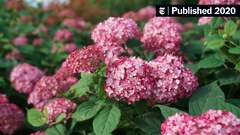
[
  {"x": 70, "y": 47},
  {"x": 11, "y": 116},
  {"x": 204, "y": 20},
  {"x": 66, "y": 83},
  {"x": 115, "y": 31},
  {"x": 162, "y": 35},
  {"x": 86, "y": 59},
  {"x": 172, "y": 80},
  {"x": 37, "y": 41},
  {"x": 63, "y": 35},
  {"x": 128, "y": 80},
  {"x": 142, "y": 14},
  {"x": 38, "y": 133},
  {"x": 24, "y": 76},
  {"x": 14, "y": 55},
  {"x": 66, "y": 13},
  {"x": 163, "y": 80},
  {"x": 3, "y": 98},
  {"x": 45, "y": 89},
  {"x": 77, "y": 23},
  {"x": 21, "y": 40},
  {"x": 213, "y": 122},
  {"x": 59, "y": 106}
]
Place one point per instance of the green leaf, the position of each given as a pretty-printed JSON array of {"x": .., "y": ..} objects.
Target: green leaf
[
  {"x": 36, "y": 118},
  {"x": 106, "y": 121},
  {"x": 234, "y": 101},
  {"x": 235, "y": 50},
  {"x": 149, "y": 123},
  {"x": 211, "y": 61},
  {"x": 228, "y": 76},
  {"x": 237, "y": 66},
  {"x": 218, "y": 104},
  {"x": 86, "y": 111},
  {"x": 199, "y": 98},
  {"x": 168, "y": 111},
  {"x": 56, "y": 130},
  {"x": 82, "y": 86},
  {"x": 230, "y": 28},
  {"x": 60, "y": 118},
  {"x": 215, "y": 42}
]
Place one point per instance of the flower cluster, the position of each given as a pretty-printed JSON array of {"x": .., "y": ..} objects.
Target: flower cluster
[
  {"x": 213, "y": 122},
  {"x": 204, "y": 20},
  {"x": 21, "y": 40},
  {"x": 11, "y": 116},
  {"x": 76, "y": 23},
  {"x": 24, "y": 76},
  {"x": 59, "y": 106},
  {"x": 70, "y": 47},
  {"x": 115, "y": 31},
  {"x": 172, "y": 80},
  {"x": 86, "y": 59},
  {"x": 128, "y": 79},
  {"x": 162, "y": 35},
  {"x": 63, "y": 35},
  {"x": 163, "y": 80},
  {"x": 142, "y": 14}
]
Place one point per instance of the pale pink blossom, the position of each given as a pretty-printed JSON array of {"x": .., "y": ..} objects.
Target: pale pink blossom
[{"x": 21, "y": 40}]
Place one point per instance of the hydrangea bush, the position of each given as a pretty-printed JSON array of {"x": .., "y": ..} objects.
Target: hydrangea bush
[{"x": 126, "y": 73}]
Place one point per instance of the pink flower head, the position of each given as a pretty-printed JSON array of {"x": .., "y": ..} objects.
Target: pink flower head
[
  {"x": 11, "y": 117},
  {"x": 14, "y": 55},
  {"x": 38, "y": 133},
  {"x": 24, "y": 76},
  {"x": 45, "y": 89},
  {"x": 172, "y": 80},
  {"x": 112, "y": 54},
  {"x": 213, "y": 122},
  {"x": 77, "y": 23},
  {"x": 131, "y": 14},
  {"x": 37, "y": 41},
  {"x": 86, "y": 59},
  {"x": 128, "y": 80},
  {"x": 59, "y": 106},
  {"x": 146, "y": 13},
  {"x": 66, "y": 83},
  {"x": 115, "y": 31},
  {"x": 70, "y": 47},
  {"x": 63, "y": 35},
  {"x": 3, "y": 99},
  {"x": 21, "y": 40},
  {"x": 162, "y": 35},
  {"x": 204, "y": 20}
]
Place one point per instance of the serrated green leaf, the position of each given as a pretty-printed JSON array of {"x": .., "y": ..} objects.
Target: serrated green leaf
[
  {"x": 198, "y": 100},
  {"x": 36, "y": 118},
  {"x": 86, "y": 111},
  {"x": 211, "y": 61},
  {"x": 228, "y": 76},
  {"x": 230, "y": 28},
  {"x": 235, "y": 50},
  {"x": 168, "y": 111},
  {"x": 106, "y": 121}
]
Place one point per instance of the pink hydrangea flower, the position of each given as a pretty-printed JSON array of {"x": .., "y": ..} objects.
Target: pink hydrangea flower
[
  {"x": 146, "y": 13},
  {"x": 11, "y": 117},
  {"x": 162, "y": 35},
  {"x": 14, "y": 55},
  {"x": 128, "y": 80},
  {"x": 70, "y": 47},
  {"x": 24, "y": 76},
  {"x": 37, "y": 41},
  {"x": 3, "y": 99},
  {"x": 66, "y": 83},
  {"x": 218, "y": 2},
  {"x": 172, "y": 80},
  {"x": 77, "y": 23},
  {"x": 59, "y": 106},
  {"x": 21, "y": 40},
  {"x": 115, "y": 31},
  {"x": 213, "y": 122},
  {"x": 131, "y": 14},
  {"x": 38, "y": 133},
  {"x": 66, "y": 13},
  {"x": 204, "y": 20},
  {"x": 45, "y": 89},
  {"x": 63, "y": 35},
  {"x": 86, "y": 59},
  {"x": 112, "y": 54}
]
